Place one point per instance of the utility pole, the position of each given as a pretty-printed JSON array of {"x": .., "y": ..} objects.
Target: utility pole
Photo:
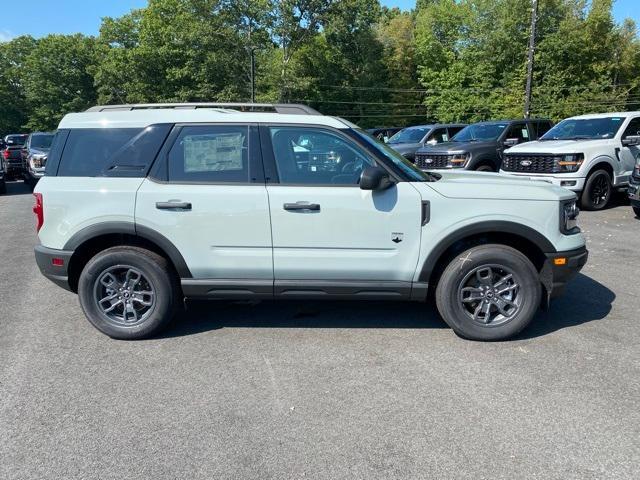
[
  {"x": 253, "y": 74},
  {"x": 532, "y": 47}
]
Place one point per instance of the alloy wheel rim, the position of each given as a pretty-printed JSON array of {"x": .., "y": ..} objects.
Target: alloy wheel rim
[
  {"x": 124, "y": 296},
  {"x": 600, "y": 190},
  {"x": 490, "y": 295}
]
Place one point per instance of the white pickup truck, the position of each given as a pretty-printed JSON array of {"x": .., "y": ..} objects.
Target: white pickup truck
[{"x": 590, "y": 154}]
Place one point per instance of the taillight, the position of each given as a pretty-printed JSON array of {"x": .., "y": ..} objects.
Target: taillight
[
  {"x": 38, "y": 210},
  {"x": 5, "y": 154}
]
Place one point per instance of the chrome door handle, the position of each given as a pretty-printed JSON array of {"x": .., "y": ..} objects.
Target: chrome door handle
[
  {"x": 302, "y": 206},
  {"x": 173, "y": 205}
]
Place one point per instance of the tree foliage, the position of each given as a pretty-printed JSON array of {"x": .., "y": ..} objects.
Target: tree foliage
[{"x": 446, "y": 60}]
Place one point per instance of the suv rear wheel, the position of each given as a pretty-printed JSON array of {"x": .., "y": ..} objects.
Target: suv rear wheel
[
  {"x": 489, "y": 292},
  {"x": 128, "y": 292},
  {"x": 597, "y": 191},
  {"x": 3, "y": 186}
]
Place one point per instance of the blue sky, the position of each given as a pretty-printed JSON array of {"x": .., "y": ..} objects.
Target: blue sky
[{"x": 40, "y": 17}]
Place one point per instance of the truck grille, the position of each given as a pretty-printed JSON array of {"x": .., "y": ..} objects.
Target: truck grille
[
  {"x": 529, "y": 163},
  {"x": 432, "y": 160}
]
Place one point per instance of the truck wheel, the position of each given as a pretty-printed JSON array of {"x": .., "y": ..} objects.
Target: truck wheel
[
  {"x": 128, "y": 292},
  {"x": 489, "y": 292},
  {"x": 636, "y": 210},
  {"x": 3, "y": 186},
  {"x": 485, "y": 167},
  {"x": 597, "y": 191}
]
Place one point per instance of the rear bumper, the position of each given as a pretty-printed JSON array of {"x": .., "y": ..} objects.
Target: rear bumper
[
  {"x": 562, "y": 267},
  {"x": 58, "y": 274}
]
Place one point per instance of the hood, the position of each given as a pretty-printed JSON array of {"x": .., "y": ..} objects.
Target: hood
[
  {"x": 558, "y": 146},
  {"x": 448, "y": 147},
  {"x": 482, "y": 185},
  {"x": 39, "y": 151},
  {"x": 404, "y": 147}
]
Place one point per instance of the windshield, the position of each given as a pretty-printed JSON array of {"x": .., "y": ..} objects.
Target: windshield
[
  {"x": 398, "y": 160},
  {"x": 16, "y": 139},
  {"x": 410, "y": 135},
  {"x": 41, "y": 141},
  {"x": 584, "y": 129},
  {"x": 480, "y": 132}
]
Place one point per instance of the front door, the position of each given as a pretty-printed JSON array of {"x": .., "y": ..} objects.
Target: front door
[
  {"x": 325, "y": 228},
  {"x": 629, "y": 155}
]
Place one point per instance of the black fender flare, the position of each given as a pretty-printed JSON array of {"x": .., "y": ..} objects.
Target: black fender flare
[
  {"x": 130, "y": 228},
  {"x": 490, "y": 226}
]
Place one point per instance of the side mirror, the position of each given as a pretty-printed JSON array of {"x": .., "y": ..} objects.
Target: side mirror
[
  {"x": 510, "y": 142},
  {"x": 631, "y": 141},
  {"x": 375, "y": 178}
]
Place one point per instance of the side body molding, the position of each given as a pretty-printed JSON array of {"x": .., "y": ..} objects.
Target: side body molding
[
  {"x": 129, "y": 228},
  {"x": 492, "y": 226}
]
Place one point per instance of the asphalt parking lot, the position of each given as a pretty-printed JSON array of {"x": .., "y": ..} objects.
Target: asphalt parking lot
[{"x": 321, "y": 390}]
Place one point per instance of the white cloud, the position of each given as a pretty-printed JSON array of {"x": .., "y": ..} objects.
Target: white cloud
[{"x": 6, "y": 35}]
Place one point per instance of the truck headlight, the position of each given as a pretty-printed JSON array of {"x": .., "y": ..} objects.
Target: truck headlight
[
  {"x": 37, "y": 161},
  {"x": 459, "y": 160},
  {"x": 568, "y": 163},
  {"x": 569, "y": 212}
]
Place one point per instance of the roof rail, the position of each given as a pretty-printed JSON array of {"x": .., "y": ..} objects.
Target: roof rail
[{"x": 288, "y": 108}]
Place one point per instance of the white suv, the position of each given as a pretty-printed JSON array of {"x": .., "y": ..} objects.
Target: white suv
[
  {"x": 144, "y": 205},
  {"x": 589, "y": 154}
]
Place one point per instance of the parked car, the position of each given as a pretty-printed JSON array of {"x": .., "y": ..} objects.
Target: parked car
[
  {"x": 34, "y": 156},
  {"x": 480, "y": 146},
  {"x": 141, "y": 207},
  {"x": 384, "y": 133},
  {"x": 3, "y": 181},
  {"x": 408, "y": 140},
  {"x": 589, "y": 154},
  {"x": 12, "y": 155},
  {"x": 634, "y": 185}
]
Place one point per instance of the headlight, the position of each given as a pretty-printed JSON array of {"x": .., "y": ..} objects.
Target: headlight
[
  {"x": 459, "y": 160},
  {"x": 568, "y": 163},
  {"x": 37, "y": 161},
  {"x": 569, "y": 212}
]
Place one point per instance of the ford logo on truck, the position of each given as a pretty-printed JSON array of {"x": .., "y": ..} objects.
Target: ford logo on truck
[{"x": 525, "y": 163}]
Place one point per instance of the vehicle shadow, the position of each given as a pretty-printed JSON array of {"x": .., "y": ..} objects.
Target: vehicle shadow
[
  {"x": 17, "y": 188},
  {"x": 584, "y": 301}
]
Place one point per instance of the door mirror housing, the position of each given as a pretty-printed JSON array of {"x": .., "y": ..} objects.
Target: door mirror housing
[
  {"x": 510, "y": 142},
  {"x": 375, "y": 178},
  {"x": 631, "y": 140}
]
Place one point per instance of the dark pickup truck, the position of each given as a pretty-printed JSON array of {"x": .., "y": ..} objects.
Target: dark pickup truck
[
  {"x": 480, "y": 146},
  {"x": 12, "y": 155}
]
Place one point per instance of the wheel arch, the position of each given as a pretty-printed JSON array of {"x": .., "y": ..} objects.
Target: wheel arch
[
  {"x": 89, "y": 241},
  {"x": 525, "y": 239},
  {"x": 602, "y": 162}
]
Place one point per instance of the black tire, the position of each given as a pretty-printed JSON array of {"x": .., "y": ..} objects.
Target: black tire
[
  {"x": 484, "y": 167},
  {"x": 157, "y": 278},
  {"x": 3, "y": 187},
  {"x": 524, "y": 292},
  {"x": 636, "y": 210},
  {"x": 597, "y": 191}
]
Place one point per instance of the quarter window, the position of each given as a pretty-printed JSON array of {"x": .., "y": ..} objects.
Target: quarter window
[
  {"x": 210, "y": 154},
  {"x": 314, "y": 156}
]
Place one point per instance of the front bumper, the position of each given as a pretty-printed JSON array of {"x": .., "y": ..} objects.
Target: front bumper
[
  {"x": 58, "y": 274},
  {"x": 575, "y": 184},
  {"x": 561, "y": 267},
  {"x": 634, "y": 191}
]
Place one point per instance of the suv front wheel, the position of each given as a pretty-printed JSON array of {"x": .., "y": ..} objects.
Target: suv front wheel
[
  {"x": 489, "y": 292},
  {"x": 128, "y": 292}
]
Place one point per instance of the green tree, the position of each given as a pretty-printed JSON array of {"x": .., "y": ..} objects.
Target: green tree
[
  {"x": 56, "y": 78},
  {"x": 14, "y": 111}
]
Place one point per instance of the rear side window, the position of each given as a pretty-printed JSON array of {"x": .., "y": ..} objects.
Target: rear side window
[
  {"x": 210, "y": 154},
  {"x": 95, "y": 152}
]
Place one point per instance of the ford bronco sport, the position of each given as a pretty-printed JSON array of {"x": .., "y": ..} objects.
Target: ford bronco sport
[{"x": 144, "y": 205}]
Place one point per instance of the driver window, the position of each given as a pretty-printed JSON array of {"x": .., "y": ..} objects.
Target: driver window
[
  {"x": 633, "y": 128},
  {"x": 312, "y": 156}
]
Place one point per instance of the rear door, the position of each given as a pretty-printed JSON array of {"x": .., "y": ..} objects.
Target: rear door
[
  {"x": 326, "y": 230},
  {"x": 629, "y": 155},
  {"x": 206, "y": 195}
]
